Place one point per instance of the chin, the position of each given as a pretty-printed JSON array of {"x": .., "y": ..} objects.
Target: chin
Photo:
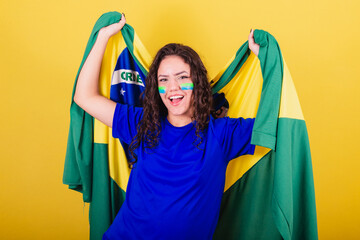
[{"x": 179, "y": 112}]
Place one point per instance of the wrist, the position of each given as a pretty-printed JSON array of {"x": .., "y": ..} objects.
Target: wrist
[{"x": 103, "y": 35}]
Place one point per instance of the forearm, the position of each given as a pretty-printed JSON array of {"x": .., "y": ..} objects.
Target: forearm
[{"x": 88, "y": 81}]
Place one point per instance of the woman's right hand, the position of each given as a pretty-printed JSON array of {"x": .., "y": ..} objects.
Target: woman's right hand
[{"x": 112, "y": 29}]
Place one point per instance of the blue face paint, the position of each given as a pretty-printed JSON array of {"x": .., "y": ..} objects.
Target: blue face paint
[
  {"x": 187, "y": 86},
  {"x": 162, "y": 90}
]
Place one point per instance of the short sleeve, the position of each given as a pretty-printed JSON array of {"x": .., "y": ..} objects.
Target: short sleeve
[
  {"x": 234, "y": 136},
  {"x": 125, "y": 121}
]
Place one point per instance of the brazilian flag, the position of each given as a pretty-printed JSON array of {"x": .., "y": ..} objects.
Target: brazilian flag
[
  {"x": 95, "y": 163},
  {"x": 269, "y": 195}
]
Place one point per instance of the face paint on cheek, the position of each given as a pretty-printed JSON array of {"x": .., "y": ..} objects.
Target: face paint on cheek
[
  {"x": 162, "y": 90},
  {"x": 187, "y": 86}
]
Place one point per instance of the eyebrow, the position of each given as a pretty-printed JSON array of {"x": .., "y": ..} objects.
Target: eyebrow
[{"x": 176, "y": 74}]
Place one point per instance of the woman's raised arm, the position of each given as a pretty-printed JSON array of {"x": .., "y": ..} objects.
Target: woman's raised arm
[{"x": 87, "y": 94}]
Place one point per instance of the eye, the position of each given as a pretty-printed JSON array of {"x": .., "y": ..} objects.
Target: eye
[
  {"x": 162, "y": 80},
  {"x": 184, "y": 77}
]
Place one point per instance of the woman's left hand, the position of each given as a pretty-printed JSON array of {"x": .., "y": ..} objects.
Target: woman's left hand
[{"x": 254, "y": 47}]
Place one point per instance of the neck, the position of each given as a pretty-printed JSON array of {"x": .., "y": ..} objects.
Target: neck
[{"x": 179, "y": 121}]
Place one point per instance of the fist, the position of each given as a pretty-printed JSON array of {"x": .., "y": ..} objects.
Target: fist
[
  {"x": 254, "y": 47},
  {"x": 112, "y": 29}
]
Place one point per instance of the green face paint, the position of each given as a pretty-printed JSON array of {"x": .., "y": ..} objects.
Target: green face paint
[
  {"x": 183, "y": 86},
  {"x": 187, "y": 86},
  {"x": 162, "y": 90}
]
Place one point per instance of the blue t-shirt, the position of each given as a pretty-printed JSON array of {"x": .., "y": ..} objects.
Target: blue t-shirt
[{"x": 175, "y": 189}]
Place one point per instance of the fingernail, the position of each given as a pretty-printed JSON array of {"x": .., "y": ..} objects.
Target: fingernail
[{"x": 250, "y": 29}]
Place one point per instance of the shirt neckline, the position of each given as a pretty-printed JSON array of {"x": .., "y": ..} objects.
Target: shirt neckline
[{"x": 187, "y": 126}]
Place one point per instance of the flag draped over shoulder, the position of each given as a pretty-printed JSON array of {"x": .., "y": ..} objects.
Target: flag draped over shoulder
[
  {"x": 95, "y": 163},
  {"x": 269, "y": 195}
]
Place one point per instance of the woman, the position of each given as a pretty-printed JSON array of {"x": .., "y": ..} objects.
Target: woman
[{"x": 180, "y": 153}]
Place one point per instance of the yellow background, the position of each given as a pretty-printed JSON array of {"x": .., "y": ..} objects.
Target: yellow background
[{"x": 41, "y": 47}]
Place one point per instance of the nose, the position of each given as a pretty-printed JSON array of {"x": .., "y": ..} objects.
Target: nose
[{"x": 173, "y": 85}]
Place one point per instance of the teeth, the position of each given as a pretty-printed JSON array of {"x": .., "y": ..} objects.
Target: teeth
[{"x": 175, "y": 97}]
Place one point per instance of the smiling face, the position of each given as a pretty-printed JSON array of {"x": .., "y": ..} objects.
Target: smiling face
[{"x": 174, "y": 80}]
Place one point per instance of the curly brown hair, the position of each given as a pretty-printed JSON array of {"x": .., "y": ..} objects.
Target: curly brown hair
[{"x": 148, "y": 129}]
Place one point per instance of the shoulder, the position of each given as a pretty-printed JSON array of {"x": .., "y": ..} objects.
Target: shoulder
[
  {"x": 218, "y": 124},
  {"x": 124, "y": 109},
  {"x": 125, "y": 121},
  {"x": 227, "y": 125}
]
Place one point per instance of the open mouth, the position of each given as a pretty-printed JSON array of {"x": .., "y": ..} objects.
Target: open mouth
[{"x": 176, "y": 99}]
